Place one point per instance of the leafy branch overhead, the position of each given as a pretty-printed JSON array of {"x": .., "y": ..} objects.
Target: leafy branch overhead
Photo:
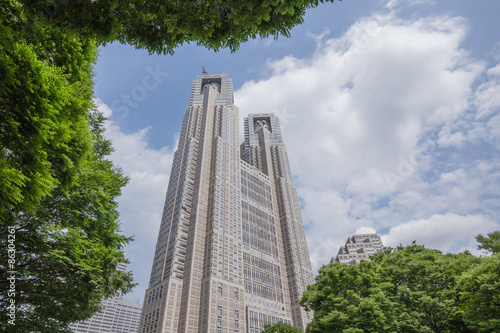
[{"x": 161, "y": 26}]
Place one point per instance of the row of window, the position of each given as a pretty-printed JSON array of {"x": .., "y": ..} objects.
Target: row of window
[
  {"x": 261, "y": 277},
  {"x": 260, "y": 263},
  {"x": 262, "y": 291},
  {"x": 259, "y": 190},
  {"x": 258, "y": 233},
  {"x": 259, "y": 245},
  {"x": 256, "y": 198},
  {"x": 155, "y": 294},
  {"x": 256, "y": 319},
  {"x": 258, "y": 222},
  {"x": 257, "y": 212}
]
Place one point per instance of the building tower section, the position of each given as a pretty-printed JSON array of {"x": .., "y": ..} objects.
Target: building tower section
[
  {"x": 200, "y": 221},
  {"x": 267, "y": 299},
  {"x": 264, "y": 149}
]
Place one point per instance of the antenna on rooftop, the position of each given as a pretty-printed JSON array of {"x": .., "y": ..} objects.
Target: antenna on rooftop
[{"x": 204, "y": 71}]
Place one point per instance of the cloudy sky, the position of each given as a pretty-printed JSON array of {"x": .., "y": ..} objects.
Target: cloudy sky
[{"x": 389, "y": 110}]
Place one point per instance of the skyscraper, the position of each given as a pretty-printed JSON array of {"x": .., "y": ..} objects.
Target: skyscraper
[{"x": 231, "y": 254}]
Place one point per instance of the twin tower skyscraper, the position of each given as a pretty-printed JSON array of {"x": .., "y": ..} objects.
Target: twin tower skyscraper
[{"x": 231, "y": 254}]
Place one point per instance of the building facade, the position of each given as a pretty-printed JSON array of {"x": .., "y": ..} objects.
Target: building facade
[
  {"x": 358, "y": 247},
  {"x": 231, "y": 254},
  {"x": 117, "y": 315}
]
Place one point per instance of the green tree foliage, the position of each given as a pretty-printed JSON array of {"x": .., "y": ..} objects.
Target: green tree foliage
[
  {"x": 45, "y": 95},
  {"x": 480, "y": 288},
  {"x": 160, "y": 26},
  {"x": 480, "y": 295},
  {"x": 407, "y": 289},
  {"x": 491, "y": 243},
  {"x": 281, "y": 328},
  {"x": 68, "y": 247},
  {"x": 57, "y": 189}
]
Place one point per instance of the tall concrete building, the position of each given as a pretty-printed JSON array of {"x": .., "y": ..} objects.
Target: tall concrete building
[
  {"x": 358, "y": 247},
  {"x": 231, "y": 254}
]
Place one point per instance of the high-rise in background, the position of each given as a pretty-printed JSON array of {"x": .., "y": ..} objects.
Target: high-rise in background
[{"x": 231, "y": 254}]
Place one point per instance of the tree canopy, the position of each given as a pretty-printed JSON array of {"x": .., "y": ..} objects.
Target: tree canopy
[
  {"x": 407, "y": 289},
  {"x": 160, "y": 26},
  {"x": 58, "y": 209}
]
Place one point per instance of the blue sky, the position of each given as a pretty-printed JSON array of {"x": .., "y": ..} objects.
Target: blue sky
[{"x": 389, "y": 110}]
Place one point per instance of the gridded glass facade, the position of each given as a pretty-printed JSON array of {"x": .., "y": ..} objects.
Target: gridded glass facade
[{"x": 231, "y": 254}]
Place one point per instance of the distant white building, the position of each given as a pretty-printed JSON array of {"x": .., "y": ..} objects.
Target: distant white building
[
  {"x": 117, "y": 315},
  {"x": 358, "y": 247}
]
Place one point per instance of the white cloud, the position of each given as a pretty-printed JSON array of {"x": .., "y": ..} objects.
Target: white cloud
[
  {"x": 365, "y": 230},
  {"x": 447, "y": 138},
  {"x": 319, "y": 38},
  {"x": 487, "y": 96},
  {"x": 388, "y": 98},
  {"x": 141, "y": 202},
  {"x": 494, "y": 129},
  {"x": 448, "y": 232},
  {"x": 393, "y": 4},
  {"x": 370, "y": 102}
]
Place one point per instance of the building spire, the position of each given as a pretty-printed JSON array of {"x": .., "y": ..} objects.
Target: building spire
[{"x": 204, "y": 71}]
